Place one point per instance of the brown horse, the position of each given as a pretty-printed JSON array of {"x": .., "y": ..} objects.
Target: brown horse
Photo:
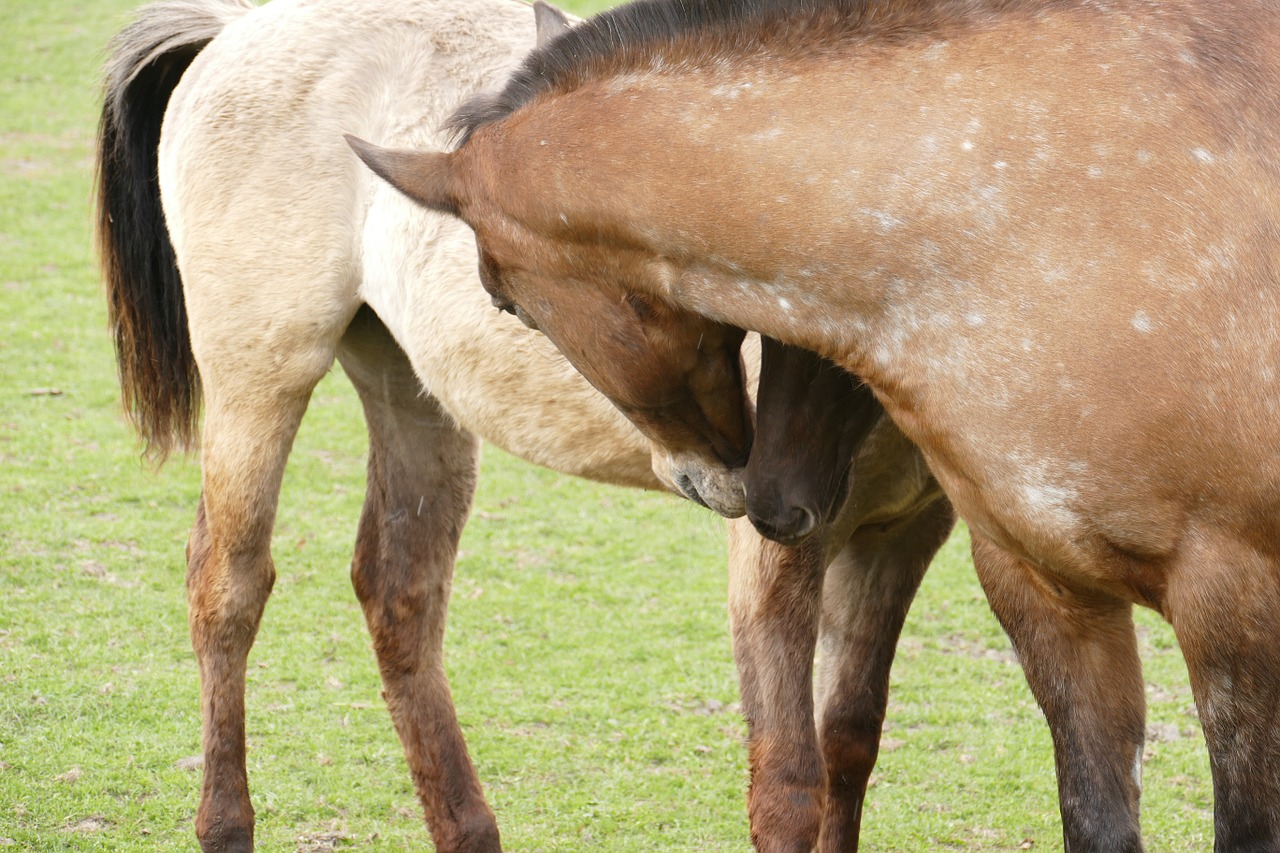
[
  {"x": 1045, "y": 234},
  {"x": 264, "y": 265}
]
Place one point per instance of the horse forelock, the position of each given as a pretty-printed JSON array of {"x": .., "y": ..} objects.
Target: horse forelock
[{"x": 644, "y": 33}]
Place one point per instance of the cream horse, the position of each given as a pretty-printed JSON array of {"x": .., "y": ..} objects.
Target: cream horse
[{"x": 282, "y": 253}]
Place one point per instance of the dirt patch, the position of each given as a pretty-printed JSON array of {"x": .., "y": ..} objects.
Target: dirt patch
[
  {"x": 91, "y": 824},
  {"x": 957, "y": 644},
  {"x": 322, "y": 841}
]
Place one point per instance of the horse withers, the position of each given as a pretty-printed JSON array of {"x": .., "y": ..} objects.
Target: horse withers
[{"x": 1044, "y": 234}]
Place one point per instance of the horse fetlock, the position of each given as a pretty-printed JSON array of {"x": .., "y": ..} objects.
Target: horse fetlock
[
  {"x": 225, "y": 831},
  {"x": 1110, "y": 843},
  {"x": 475, "y": 833},
  {"x": 238, "y": 841}
]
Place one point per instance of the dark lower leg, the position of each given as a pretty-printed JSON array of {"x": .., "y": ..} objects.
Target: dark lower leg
[
  {"x": 1079, "y": 654},
  {"x": 402, "y": 573},
  {"x": 1224, "y": 611},
  {"x": 222, "y": 632}
]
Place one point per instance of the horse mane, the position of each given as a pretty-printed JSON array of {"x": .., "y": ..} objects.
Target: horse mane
[{"x": 635, "y": 34}]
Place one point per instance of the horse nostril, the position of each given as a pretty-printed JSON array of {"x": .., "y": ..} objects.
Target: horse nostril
[
  {"x": 789, "y": 526},
  {"x": 685, "y": 484},
  {"x": 803, "y": 522}
]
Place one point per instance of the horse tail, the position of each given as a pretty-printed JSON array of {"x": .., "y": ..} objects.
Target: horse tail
[{"x": 159, "y": 380}]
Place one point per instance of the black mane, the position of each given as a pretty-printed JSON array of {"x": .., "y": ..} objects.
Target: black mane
[{"x": 631, "y": 33}]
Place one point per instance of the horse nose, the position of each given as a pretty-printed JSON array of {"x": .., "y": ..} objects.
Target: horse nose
[
  {"x": 685, "y": 484},
  {"x": 787, "y": 526}
]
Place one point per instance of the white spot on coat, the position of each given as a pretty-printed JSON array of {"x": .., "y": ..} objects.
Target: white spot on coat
[{"x": 887, "y": 221}]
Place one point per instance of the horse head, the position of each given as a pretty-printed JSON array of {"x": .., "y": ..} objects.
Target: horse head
[
  {"x": 812, "y": 417},
  {"x": 676, "y": 375}
]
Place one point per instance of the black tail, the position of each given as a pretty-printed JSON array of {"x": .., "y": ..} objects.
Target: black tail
[{"x": 159, "y": 381}]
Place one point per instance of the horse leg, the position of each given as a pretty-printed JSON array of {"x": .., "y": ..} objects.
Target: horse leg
[
  {"x": 1223, "y": 610},
  {"x": 869, "y": 588},
  {"x": 1080, "y": 656},
  {"x": 249, "y": 426},
  {"x": 774, "y": 599},
  {"x": 422, "y": 477}
]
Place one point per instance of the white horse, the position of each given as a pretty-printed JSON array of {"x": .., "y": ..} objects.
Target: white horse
[{"x": 245, "y": 249}]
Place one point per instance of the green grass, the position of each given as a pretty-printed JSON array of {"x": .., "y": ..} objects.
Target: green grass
[{"x": 587, "y": 642}]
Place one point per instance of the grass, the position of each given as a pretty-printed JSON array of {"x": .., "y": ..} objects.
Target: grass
[{"x": 587, "y": 644}]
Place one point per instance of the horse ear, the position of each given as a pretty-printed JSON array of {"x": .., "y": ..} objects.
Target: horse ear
[
  {"x": 549, "y": 21},
  {"x": 424, "y": 176}
]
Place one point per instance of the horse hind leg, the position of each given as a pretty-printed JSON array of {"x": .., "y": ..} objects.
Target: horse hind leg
[
  {"x": 869, "y": 589},
  {"x": 1080, "y": 657},
  {"x": 421, "y": 481},
  {"x": 249, "y": 427}
]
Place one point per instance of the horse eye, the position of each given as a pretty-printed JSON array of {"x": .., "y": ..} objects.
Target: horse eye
[{"x": 641, "y": 306}]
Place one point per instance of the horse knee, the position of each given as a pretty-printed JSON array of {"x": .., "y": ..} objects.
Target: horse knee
[
  {"x": 849, "y": 750},
  {"x": 785, "y": 801},
  {"x": 785, "y": 820},
  {"x": 403, "y": 599}
]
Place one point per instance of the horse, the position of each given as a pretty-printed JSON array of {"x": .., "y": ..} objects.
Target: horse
[
  {"x": 1043, "y": 232},
  {"x": 875, "y": 526},
  {"x": 237, "y": 270}
]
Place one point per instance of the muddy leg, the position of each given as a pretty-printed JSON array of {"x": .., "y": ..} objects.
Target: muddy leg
[
  {"x": 869, "y": 588},
  {"x": 774, "y": 599},
  {"x": 422, "y": 476},
  {"x": 1224, "y": 611},
  {"x": 1079, "y": 654},
  {"x": 248, "y": 430}
]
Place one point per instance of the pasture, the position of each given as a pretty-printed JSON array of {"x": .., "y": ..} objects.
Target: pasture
[{"x": 587, "y": 648}]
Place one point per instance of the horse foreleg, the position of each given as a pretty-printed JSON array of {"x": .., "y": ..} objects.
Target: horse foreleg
[
  {"x": 774, "y": 598},
  {"x": 246, "y": 438},
  {"x": 1080, "y": 656},
  {"x": 869, "y": 588},
  {"x": 1223, "y": 605},
  {"x": 421, "y": 480}
]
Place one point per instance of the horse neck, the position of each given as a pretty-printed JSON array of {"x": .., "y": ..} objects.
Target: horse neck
[
  {"x": 845, "y": 200},
  {"x": 852, "y": 158}
]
